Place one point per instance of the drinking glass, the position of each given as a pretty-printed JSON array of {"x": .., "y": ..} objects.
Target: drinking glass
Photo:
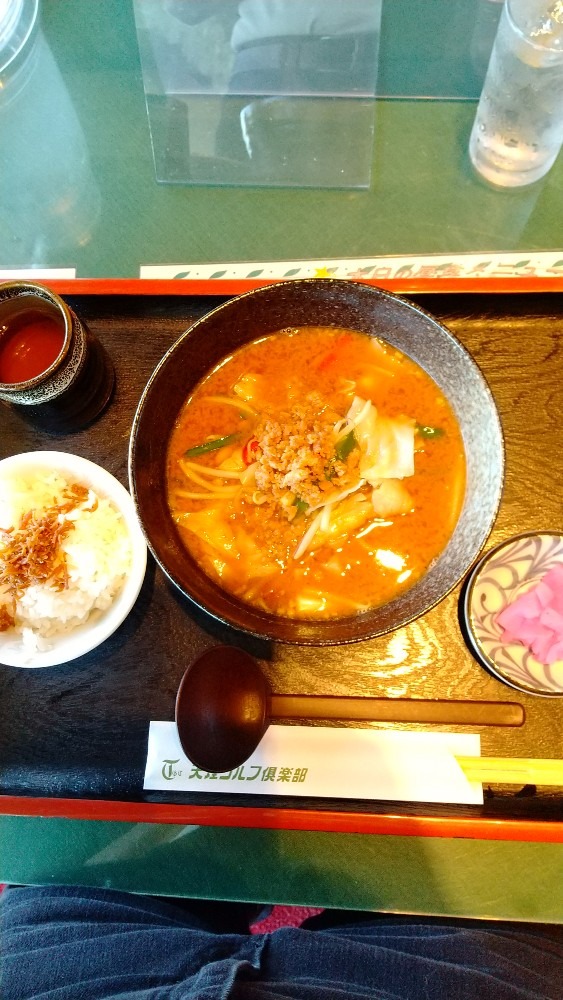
[
  {"x": 53, "y": 371},
  {"x": 518, "y": 129}
]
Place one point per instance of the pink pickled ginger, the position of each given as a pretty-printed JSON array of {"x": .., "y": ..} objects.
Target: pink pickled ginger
[{"x": 535, "y": 619}]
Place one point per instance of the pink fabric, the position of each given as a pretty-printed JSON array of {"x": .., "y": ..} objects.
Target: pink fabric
[{"x": 284, "y": 916}]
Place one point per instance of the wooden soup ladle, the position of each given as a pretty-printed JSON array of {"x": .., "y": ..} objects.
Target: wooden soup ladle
[{"x": 224, "y": 706}]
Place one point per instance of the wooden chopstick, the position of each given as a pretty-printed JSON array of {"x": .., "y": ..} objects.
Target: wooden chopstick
[
  {"x": 440, "y": 712},
  {"x": 513, "y": 770}
]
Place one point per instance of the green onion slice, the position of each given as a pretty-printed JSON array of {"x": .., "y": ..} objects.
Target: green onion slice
[
  {"x": 214, "y": 445},
  {"x": 345, "y": 446}
]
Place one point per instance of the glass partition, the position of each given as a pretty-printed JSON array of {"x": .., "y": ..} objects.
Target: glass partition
[{"x": 261, "y": 93}]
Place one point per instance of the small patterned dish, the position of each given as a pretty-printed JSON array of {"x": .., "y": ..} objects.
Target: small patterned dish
[{"x": 499, "y": 578}]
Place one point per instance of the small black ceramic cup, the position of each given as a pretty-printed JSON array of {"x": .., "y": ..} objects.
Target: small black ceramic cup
[{"x": 52, "y": 369}]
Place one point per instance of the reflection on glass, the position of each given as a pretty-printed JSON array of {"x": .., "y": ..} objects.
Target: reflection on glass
[
  {"x": 274, "y": 92},
  {"x": 487, "y": 16},
  {"x": 50, "y": 202}
]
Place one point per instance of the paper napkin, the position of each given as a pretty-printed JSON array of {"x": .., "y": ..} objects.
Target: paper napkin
[{"x": 331, "y": 762}]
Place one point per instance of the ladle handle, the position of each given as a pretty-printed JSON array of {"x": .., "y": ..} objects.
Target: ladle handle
[{"x": 460, "y": 713}]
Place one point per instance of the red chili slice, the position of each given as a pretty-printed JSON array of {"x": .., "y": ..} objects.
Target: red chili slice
[{"x": 250, "y": 451}]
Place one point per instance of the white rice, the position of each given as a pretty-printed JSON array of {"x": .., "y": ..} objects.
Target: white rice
[{"x": 98, "y": 558}]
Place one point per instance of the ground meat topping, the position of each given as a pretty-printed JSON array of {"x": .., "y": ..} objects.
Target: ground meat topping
[{"x": 296, "y": 455}]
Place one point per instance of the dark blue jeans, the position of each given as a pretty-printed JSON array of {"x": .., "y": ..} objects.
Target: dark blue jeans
[{"x": 65, "y": 943}]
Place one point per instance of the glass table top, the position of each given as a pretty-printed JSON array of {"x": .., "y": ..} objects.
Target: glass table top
[{"x": 180, "y": 133}]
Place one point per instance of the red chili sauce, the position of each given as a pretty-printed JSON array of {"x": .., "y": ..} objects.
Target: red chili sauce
[{"x": 29, "y": 344}]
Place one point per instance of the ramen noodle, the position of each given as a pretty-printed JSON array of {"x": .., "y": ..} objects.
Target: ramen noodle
[{"x": 316, "y": 473}]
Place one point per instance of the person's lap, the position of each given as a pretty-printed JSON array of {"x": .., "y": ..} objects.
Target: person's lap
[{"x": 70, "y": 943}]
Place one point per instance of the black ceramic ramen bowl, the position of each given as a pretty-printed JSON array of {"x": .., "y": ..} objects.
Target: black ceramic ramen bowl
[{"x": 317, "y": 302}]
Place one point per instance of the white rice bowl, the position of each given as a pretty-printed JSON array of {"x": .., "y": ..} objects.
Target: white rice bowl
[{"x": 105, "y": 555}]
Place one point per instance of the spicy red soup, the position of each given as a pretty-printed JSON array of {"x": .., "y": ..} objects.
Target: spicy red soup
[
  {"x": 30, "y": 341},
  {"x": 316, "y": 473}
]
